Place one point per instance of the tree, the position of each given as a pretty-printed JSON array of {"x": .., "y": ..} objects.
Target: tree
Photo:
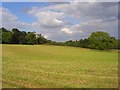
[
  {"x": 40, "y": 39},
  {"x": 15, "y": 36},
  {"x": 117, "y": 44},
  {"x": 31, "y": 38},
  {"x": 100, "y": 40},
  {"x": 0, "y": 35},
  {"x": 113, "y": 43},
  {"x": 6, "y": 36},
  {"x": 84, "y": 43},
  {"x": 97, "y": 40},
  {"x": 23, "y": 38},
  {"x": 70, "y": 43}
]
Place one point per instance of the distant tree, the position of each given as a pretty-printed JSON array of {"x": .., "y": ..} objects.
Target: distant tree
[
  {"x": 49, "y": 42},
  {"x": 31, "y": 38},
  {"x": 97, "y": 40},
  {"x": 6, "y": 36},
  {"x": 84, "y": 43},
  {"x": 76, "y": 43},
  {"x": 0, "y": 35},
  {"x": 113, "y": 43},
  {"x": 101, "y": 40},
  {"x": 118, "y": 44},
  {"x": 15, "y": 36},
  {"x": 3, "y": 29},
  {"x": 40, "y": 39},
  {"x": 70, "y": 43},
  {"x": 23, "y": 38}
]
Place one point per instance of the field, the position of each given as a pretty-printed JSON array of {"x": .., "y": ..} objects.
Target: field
[{"x": 44, "y": 66}]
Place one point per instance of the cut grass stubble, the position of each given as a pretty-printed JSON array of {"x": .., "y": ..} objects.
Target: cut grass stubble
[{"x": 44, "y": 66}]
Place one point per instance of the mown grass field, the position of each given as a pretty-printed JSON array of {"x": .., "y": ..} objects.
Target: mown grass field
[{"x": 44, "y": 66}]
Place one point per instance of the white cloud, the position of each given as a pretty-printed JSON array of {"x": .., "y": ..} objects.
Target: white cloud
[
  {"x": 45, "y": 36},
  {"x": 47, "y": 18},
  {"x": 66, "y": 30},
  {"x": 8, "y": 16},
  {"x": 51, "y": 22},
  {"x": 87, "y": 10},
  {"x": 10, "y": 20}
]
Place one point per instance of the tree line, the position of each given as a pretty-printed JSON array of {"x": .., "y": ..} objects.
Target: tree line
[
  {"x": 21, "y": 37},
  {"x": 97, "y": 40}
]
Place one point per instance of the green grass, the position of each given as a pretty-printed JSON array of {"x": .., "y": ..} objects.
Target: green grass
[{"x": 44, "y": 66}]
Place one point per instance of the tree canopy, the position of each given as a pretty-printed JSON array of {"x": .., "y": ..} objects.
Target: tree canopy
[
  {"x": 97, "y": 40},
  {"x": 21, "y": 37},
  {"x": 101, "y": 40}
]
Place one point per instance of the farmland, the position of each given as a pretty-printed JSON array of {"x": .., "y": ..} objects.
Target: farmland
[{"x": 45, "y": 66}]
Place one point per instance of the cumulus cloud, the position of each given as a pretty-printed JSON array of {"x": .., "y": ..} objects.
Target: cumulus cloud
[
  {"x": 10, "y": 20},
  {"x": 79, "y": 10},
  {"x": 51, "y": 20},
  {"x": 8, "y": 16},
  {"x": 92, "y": 16},
  {"x": 66, "y": 30},
  {"x": 47, "y": 18}
]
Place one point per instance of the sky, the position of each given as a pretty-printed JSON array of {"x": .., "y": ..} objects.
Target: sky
[{"x": 61, "y": 21}]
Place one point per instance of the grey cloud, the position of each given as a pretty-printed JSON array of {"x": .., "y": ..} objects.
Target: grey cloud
[
  {"x": 10, "y": 20},
  {"x": 87, "y": 10},
  {"x": 92, "y": 16}
]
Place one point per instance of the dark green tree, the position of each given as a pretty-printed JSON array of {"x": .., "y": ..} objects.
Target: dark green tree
[
  {"x": 15, "y": 36},
  {"x": 6, "y": 36},
  {"x": 31, "y": 37},
  {"x": 0, "y": 35},
  {"x": 23, "y": 38},
  {"x": 70, "y": 43},
  {"x": 100, "y": 40},
  {"x": 117, "y": 44},
  {"x": 40, "y": 39},
  {"x": 113, "y": 43},
  {"x": 84, "y": 43}
]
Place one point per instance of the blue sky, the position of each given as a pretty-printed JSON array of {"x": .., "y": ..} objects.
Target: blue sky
[
  {"x": 61, "y": 21},
  {"x": 18, "y": 9}
]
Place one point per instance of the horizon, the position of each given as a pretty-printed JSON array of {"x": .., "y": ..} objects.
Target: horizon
[
  {"x": 61, "y": 41},
  {"x": 61, "y": 21}
]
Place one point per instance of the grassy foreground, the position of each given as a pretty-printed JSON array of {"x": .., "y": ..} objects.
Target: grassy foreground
[{"x": 42, "y": 66}]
